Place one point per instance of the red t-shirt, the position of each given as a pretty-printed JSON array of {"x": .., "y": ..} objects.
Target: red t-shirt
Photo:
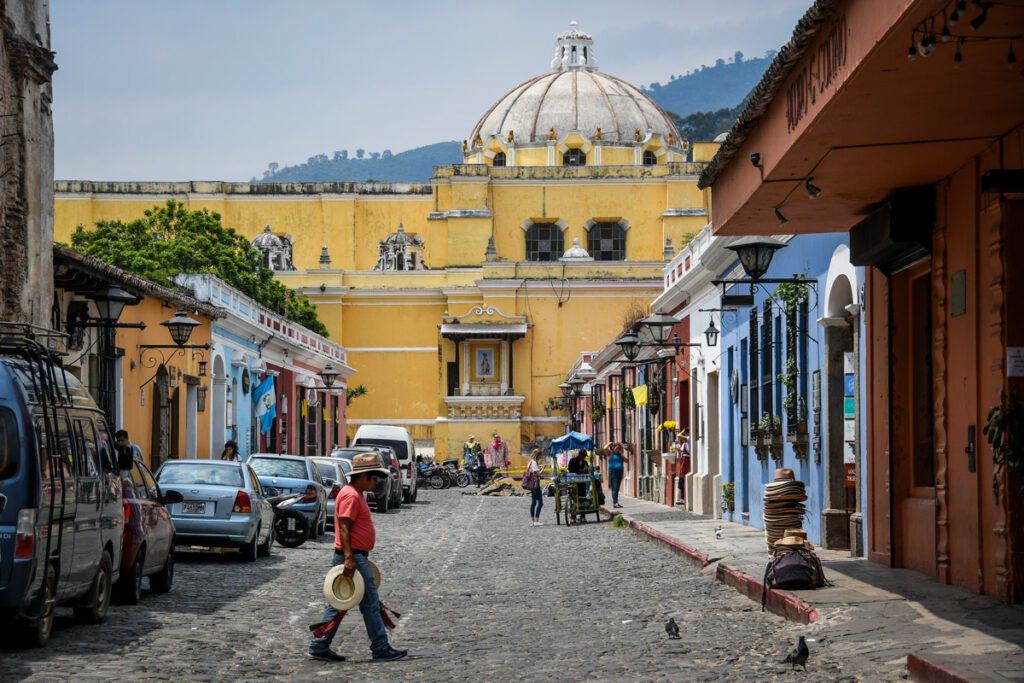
[{"x": 351, "y": 504}]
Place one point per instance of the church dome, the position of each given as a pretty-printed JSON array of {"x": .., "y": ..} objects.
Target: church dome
[
  {"x": 267, "y": 240},
  {"x": 575, "y": 97}
]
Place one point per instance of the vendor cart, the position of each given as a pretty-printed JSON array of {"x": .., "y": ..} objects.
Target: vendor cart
[{"x": 576, "y": 495}]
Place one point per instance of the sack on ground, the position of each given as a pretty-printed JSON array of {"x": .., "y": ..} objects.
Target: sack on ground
[{"x": 793, "y": 569}]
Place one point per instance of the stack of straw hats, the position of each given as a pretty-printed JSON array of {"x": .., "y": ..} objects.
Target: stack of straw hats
[
  {"x": 794, "y": 538},
  {"x": 783, "y": 506}
]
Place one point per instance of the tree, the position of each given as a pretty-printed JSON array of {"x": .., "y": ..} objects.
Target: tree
[
  {"x": 272, "y": 167},
  {"x": 386, "y": 154},
  {"x": 353, "y": 393},
  {"x": 737, "y": 58},
  {"x": 341, "y": 155},
  {"x": 170, "y": 240},
  {"x": 360, "y": 153},
  {"x": 375, "y": 155},
  {"x": 719, "y": 62}
]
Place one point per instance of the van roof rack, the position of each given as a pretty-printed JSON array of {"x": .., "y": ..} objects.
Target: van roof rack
[
  {"x": 23, "y": 336},
  {"x": 47, "y": 373}
]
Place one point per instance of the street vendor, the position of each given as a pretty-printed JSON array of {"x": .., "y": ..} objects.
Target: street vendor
[
  {"x": 578, "y": 463},
  {"x": 467, "y": 449},
  {"x": 497, "y": 453}
]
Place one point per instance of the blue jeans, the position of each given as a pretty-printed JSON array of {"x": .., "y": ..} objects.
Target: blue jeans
[
  {"x": 536, "y": 502},
  {"x": 370, "y": 607},
  {"x": 615, "y": 481}
]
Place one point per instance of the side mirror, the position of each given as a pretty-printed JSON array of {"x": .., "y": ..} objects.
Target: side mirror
[
  {"x": 329, "y": 483},
  {"x": 171, "y": 497}
]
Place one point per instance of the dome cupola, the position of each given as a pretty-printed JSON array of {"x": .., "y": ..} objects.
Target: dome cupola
[{"x": 575, "y": 115}]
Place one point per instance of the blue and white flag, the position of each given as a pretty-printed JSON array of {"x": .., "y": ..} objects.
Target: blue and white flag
[{"x": 266, "y": 404}]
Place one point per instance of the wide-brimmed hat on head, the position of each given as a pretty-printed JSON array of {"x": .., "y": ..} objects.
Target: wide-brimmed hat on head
[
  {"x": 368, "y": 462},
  {"x": 343, "y": 592},
  {"x": 470, "y": 438}
]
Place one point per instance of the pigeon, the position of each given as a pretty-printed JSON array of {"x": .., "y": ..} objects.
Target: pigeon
[
  {"x": 718, "y": 533},
  {"x": 799, "y": 655},
  {"x": 671, "y": 628}
]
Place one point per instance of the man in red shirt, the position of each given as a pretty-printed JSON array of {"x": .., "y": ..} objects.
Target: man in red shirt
[{"x": 354, "y": 538}]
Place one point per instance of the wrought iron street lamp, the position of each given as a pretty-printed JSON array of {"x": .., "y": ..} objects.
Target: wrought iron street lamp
[
  {"x": 180, "y": 327},
  {"x": 328, "y": 375},
  {"x": 755, "y": 254},
  {"x": 566, "y": 389},
  {"x": 711, "y": 334},
  {"x": 110, "y": 302}
]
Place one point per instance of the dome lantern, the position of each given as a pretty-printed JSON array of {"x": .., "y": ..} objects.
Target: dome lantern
[{"x": 574, "y": 50}]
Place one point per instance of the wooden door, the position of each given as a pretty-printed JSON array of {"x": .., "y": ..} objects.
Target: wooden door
[{"x": 912, "y": 411}]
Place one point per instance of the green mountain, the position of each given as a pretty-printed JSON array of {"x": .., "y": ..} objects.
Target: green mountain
[
  {"x": 412, "y": 166},
  {"x": 703, "y": 103},
  {"x": 710, "y": 88}
]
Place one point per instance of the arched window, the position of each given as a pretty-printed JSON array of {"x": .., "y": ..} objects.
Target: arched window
[
  {"x": 499, "y": 159},
  {"x": 650, "y": 158},
  {"x": 574, "y": 157},
  {"x": 544, "y": 242},
  {"x": 607, "y": 242}
]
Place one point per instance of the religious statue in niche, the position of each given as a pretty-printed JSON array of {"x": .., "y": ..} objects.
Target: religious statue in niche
[
  {"x": 276, "y": 251},
  {"x": 485, "y": 363},
  {"x": 400, "y": 251}
]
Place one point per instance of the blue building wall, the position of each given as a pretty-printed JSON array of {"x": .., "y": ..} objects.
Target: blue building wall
[
  {"x": 808, "y": 255},
  {"x": 238, "y": 426}
]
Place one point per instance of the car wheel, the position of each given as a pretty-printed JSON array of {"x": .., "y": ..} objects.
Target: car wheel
[
  {"x": 264, "y": 550},
  {"x": 38, "y": 633},
  {"x": 415, "y": 493},
  {"x": 321, "y": 527},
  {"x": 161, "y": 581},
  {"x": 129, "y": 586},
  {"x": 251, "y": 550},
  {"x": 382, "y": 504},
  {"x": 407, "y": 496},
  {"x": 98, "y": 598}
]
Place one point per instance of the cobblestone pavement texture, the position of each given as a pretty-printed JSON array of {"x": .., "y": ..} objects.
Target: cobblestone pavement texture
[{"x": 482, "y": 594}]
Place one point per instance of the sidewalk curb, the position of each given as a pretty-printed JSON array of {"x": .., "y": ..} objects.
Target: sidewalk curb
[
  {"x": 780, "y": 602},
  {"x": 923, "y": 669},
  {"x": 691, "y": 555}
]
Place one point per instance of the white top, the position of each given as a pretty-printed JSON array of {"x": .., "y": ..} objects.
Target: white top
[{"x": 532, "y": 466}]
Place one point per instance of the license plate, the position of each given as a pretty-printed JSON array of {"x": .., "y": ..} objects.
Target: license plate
[
  {"x": 291, "y": 523},
  {"x": 189, "y": 508}
]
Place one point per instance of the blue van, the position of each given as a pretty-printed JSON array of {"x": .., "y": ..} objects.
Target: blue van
[{"x": 60, "y": 492}]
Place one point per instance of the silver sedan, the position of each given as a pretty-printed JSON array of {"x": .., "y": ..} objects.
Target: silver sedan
[
  {"x": 223, "y": 506},
  {"x": 335, "y": 476}
]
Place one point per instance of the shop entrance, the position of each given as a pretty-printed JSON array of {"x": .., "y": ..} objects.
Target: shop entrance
[{"x": 911, "y": 409}]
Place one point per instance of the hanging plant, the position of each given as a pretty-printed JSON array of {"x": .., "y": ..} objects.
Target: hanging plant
[
  {"x": 1004, "y": 431},
  {"x": 628, "y": 402},
  {"x": 597, "y": 412}
]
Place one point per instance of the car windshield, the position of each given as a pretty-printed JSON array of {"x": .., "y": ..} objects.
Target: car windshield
[
  {"x": 279, "y": 467},
  {"x": 194, "y": 473},
  {"x": 346, "y": 466},
  {"x": 400, "y": 447},
  {"x": 327, "y": 469}
]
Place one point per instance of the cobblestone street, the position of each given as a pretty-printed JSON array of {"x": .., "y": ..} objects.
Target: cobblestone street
[{"x": 481, "y": 593}]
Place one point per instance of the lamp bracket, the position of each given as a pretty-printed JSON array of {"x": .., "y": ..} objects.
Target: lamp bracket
[{"x": 150, "y": 360}]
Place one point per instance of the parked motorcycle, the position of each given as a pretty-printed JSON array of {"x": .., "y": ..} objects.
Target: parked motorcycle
[{"x": 291, "y": 528}]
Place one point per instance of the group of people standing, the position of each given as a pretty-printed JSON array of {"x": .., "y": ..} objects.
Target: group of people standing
[{"x": 483, "y": 461}]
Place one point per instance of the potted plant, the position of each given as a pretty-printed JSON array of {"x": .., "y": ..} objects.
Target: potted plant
[
  {"x": 1004, "y": 430},
  {"x": 769, "y": 437},
  {"x": 597, "y": 412},
  {"x": 729, "y": 496}
]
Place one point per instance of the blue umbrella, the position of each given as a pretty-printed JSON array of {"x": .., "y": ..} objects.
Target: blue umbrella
[{"x": 571, "y": 442}]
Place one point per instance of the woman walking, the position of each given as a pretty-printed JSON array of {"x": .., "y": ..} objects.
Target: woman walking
[
  {"x": 533, "y": 470},
  {"x": 616, "y": 469}
]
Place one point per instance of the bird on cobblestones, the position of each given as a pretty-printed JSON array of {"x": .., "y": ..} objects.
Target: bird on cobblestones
[
  {"x": 718, "y": 532},
  {"x": 799, "y": 655},
  {"x": 672, "y": 629}
]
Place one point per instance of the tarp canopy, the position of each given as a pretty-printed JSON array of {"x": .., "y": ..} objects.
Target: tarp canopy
[{"x": 571, "y": 442}]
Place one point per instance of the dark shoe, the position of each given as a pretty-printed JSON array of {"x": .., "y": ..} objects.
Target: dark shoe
[
  {"x": 390, "y": 655},
  {"x": 617, "y": 505},
  {"x": 326, "y": 655}
]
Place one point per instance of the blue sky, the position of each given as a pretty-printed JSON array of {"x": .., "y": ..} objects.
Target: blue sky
[{"x": 216, "y": 89}]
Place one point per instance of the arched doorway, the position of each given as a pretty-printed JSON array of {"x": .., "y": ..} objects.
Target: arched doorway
[
  {"x": 837, "y": 440},
  {"x": 161, "y": 433},
  {"x": 218, "y": 404}
]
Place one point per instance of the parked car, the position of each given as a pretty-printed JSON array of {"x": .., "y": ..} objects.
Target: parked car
[
  {"x": 334, "y": 476},
  {"x": 383, "y": 494},
  {"x": 295, "y": 474},
  {"x": 396, "y": 476},
  {"x": 147, "y": 547},
  {"x": 223, "y": 505},
  {"x": 58, "y": 470},
  {"x": 399, "y": 439}
]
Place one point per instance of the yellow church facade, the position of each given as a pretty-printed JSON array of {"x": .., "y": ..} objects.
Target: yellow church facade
[{"x": 461, "y": 301}]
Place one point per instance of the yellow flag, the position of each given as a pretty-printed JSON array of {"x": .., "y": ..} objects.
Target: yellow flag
[
  {"x": 640, "y": 395},
  {"x": 610, "y": 402}
]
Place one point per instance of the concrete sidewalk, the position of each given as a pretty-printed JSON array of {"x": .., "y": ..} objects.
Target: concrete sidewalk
[{"x": 944, "y": 632}]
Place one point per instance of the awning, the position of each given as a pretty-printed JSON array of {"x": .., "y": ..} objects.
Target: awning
[{"x": 460, "y": 331}]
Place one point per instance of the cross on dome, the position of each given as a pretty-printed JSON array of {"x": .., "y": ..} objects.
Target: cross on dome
[{"x": 574, "y": 50}]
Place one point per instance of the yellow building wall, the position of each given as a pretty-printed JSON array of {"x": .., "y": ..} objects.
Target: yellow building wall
[{"x": 138, "y": 392}]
